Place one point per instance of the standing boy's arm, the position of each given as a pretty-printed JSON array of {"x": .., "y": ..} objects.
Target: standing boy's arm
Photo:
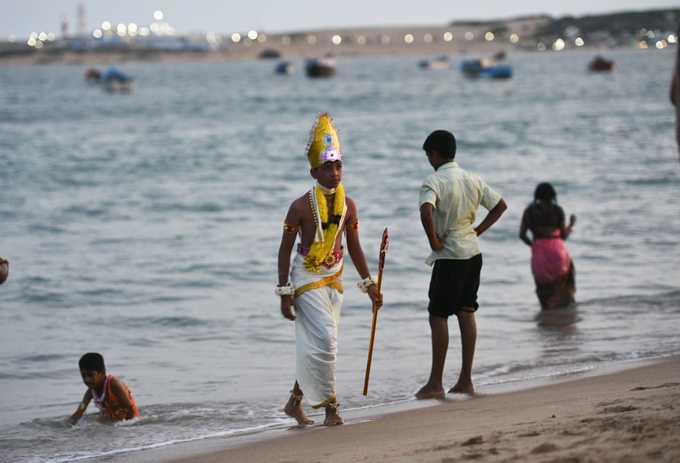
[
  {"x": 290, "y": 229},
  {"x": 82, "y": 406},
  {"x": 122, "y": 394},
  {"x": 492, "y": 217},
  {"x": 356, "y": 253},
  {"x": 427, "y": 219}
]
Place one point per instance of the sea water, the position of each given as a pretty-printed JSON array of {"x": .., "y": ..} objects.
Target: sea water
[{"x": 145, "y": 226}]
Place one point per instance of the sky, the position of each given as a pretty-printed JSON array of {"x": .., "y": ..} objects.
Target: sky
[{"x": 21, "y": 17}]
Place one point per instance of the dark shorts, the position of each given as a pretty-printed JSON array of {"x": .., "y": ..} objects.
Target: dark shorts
[{"x": 454, "y": 286}]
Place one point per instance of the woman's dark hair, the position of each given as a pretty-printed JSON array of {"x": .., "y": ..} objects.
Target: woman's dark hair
[
  {"x": 92, "y": 361},
  {"x": 545, "y": 192}
]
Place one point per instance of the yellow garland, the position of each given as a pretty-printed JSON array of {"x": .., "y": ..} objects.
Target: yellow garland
[{"x": 320, "y": 250}]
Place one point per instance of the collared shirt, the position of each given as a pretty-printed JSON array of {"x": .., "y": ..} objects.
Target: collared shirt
[{"x": 456, "y": 195}]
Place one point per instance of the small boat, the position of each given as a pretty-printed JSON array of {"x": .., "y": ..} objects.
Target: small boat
[
  {"x": 284, "y": 68},
  {"x": 485, "y": 68},
  {"x": 320, "y": 67},
  {"x": 440, "y": 62},
  {"x": 269, "y": 53},
  {"x": 114, "y": 80},
  {"x": 600, "y": 64}
]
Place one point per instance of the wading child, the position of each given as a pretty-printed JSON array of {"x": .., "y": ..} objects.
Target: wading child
[
  {"x": 313, "y": 295},
  {"x": 4, "y": 270},
  {"x": 111, "y": 396},
  {"x": 449, "y": 200}
]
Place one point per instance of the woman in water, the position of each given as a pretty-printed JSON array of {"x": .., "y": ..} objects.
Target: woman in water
[{"x": 550, "y": 260}]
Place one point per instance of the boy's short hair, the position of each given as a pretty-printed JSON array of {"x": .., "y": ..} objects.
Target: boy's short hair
[
  {"x": 92, "y": 361},
  {"x": 441, "y": 141}
]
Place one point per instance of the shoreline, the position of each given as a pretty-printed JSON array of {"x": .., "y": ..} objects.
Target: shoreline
[{"x": 557, "y": 417}]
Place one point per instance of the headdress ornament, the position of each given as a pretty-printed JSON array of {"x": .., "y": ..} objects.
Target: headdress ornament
[{"x": 324, "y": 143}]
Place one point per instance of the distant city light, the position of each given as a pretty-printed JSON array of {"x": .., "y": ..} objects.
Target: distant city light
[
  {"x": 31, "y": 42},
  {"x": 672, "y": 38},
  {"x": 385, "y": 39},
  {"x": 427, "y": 38},
  {"x": 579, "y": 42},
  {"x": 97, "y": 34},
  {"x": 155, "y": 28},
  {"x": 448, "y": 36},
  {"x": 558, "y": 45},
  {"x": 642, "y": 44},
  {"x": 661, "y": 44},
  {"x": 51, "y": 37},
  {"x": 42, "y": 37},
  {"x": 514, "y": 38},
  {"x": 311, "y": 39},
  {"x": 252, "y": 35},
  {"x": 336, "y": 39},
  {"x": 158, "y": 15},
  {"x": 469, "y": 35},
  {"x": 540, "y": 46},
  {"x": 361, "y": 40},
  {"x": 489, "y": 36},
  {"x": 132, "y": 29},
  {"x": 144, "y": 31},
  {"x": 121, "y": 30},
  {"x": 106, "y": 26},
  {"x": 236, "y": 37},
  {"x": 408, "y": 38},
  {"x": 38, "y": 44}
]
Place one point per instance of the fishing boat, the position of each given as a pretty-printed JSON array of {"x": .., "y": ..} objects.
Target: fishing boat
[
  {"x": 600, "y": 64},
  {"x": 485, "y": 68},
  {"x": 115, "y": 80},
  {"x": 320, "y": 67},
  {"x": 284, "y": 68},
  {"x": 440, "y": 62}
]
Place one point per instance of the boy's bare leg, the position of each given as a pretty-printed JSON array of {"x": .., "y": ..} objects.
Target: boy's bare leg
[
  {"x": 440, "y": 344},
  {"x": 294, "y": 409},
  {"x": 333, "y": 418},
  {"x": 468, "y": 337}
]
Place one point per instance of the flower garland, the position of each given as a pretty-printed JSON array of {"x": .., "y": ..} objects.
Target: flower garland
[{"x": 320, "y": 250}]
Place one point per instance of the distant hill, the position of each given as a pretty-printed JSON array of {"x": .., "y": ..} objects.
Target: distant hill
[{"x": 617, "y": 23}]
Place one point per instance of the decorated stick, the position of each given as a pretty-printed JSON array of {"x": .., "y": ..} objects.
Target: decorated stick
[{"x": 381, "y": 266}]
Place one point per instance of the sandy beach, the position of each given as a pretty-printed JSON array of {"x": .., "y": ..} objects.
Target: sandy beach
[{"x": 625, "y": 416}]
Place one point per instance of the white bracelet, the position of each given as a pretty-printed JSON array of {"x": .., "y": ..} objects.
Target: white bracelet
[
  {"x": 286, "y": 290},
  {"x": 365, "y": 284}
]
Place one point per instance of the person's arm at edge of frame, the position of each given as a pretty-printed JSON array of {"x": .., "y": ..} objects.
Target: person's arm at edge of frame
[
  {"x": 356, "y": 253},
  {"x": 122, "y": 394},
  {"x": 565, "y": 231},
  {"x": 427, "y": 219},
  {"x": 80, "y": 411},
  {"x": 293, "y": 218},
  {"x": 492, "y": 217}
]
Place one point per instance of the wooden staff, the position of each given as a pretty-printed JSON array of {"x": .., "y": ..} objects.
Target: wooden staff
[{"x": 381, "y": 266}]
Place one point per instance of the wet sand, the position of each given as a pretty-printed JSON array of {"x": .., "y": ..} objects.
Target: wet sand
[{"x": 628, "y": 416}]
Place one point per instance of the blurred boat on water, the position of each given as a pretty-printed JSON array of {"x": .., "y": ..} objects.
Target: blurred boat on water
[
  {"x": 440, "y": 62},
  {"x": 320, "y": 67},
  {"x": 284, "y": 68},
  {"x": 485, "y": 68},
  {"x": 93, "y": 75},
  {"x": 600, "y": 64},
  {"x": 115, "y": 80}
]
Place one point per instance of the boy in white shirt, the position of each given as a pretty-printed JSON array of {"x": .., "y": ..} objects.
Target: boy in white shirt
[{"x": 449, "y": 199}]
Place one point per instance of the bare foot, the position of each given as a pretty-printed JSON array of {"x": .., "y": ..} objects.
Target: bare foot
[
  {"x": 462, "y": 388},
  {"x": 294, "y": 409},
  {"x": 332, "y": 417},
  {"x": 429, "y": 392}
]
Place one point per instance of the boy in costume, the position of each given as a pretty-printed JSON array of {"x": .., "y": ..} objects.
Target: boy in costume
[
  {"x": 111, "y": 396},
  {"x": 313, "y": 295},
  {"x": 449, "y": 199}
]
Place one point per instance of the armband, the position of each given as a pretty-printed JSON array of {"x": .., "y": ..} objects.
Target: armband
[
  {"x": 365, "y": 284},
  {"x": 286, "y": 290},
  {"x": 290, "y": 228}
]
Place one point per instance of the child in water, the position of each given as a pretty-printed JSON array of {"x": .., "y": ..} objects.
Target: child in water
[
  {"x": 551, "y": 263},
  {"x": 111, "y": 396}
]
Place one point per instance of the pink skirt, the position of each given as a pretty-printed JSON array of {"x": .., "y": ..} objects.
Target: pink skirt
[{"x": 550, "y": 260}]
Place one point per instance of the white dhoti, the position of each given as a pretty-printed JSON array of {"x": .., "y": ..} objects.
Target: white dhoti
[{"x": 318, "y": 301}]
